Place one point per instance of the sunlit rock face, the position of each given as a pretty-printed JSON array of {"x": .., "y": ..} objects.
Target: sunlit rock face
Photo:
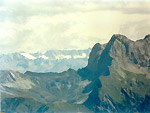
[{"x": 119, "y": 75}]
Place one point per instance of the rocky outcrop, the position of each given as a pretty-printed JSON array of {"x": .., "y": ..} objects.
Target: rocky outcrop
[{"x": 118, "y": 59}]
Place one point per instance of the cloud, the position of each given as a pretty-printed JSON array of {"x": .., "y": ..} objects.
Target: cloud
[
  {"x": 41, "y": 25},
  {"x": 20, "y": 10},
  {"x": 134, "y": 8},
  {"x": 136, "y": 29}
]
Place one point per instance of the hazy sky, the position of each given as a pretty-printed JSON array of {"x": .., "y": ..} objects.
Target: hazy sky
[{"x": 40, "y": 25}]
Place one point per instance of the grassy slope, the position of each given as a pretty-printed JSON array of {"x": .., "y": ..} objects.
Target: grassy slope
[
  {"x": 22, "y": 104},
  {"x": 136, "y": 83}
]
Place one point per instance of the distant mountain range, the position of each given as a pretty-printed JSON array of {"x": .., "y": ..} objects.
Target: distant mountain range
[
  {"x": 116, "y": 79},
  {"x": 50, "y": 61}
]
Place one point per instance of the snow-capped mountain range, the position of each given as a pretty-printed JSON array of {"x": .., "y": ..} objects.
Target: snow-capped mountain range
[{"x": 52, "y": 60}]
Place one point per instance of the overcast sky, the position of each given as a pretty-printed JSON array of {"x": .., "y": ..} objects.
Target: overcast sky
[{"x": 40, "y": 25}]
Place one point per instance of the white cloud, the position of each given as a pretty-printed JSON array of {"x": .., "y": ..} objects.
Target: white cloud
[
  {"x": 136, "y": 29},
  {"x": 28, "y": 56},
  {"x": 41, "y": 25}
]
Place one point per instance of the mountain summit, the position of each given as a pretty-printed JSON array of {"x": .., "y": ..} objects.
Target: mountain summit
[
  {"x": 116, "y": 79},
  {"x": 147, "y": 37}
]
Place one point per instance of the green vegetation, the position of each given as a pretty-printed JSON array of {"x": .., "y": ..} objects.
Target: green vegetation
[{"x": 124, "y": 87}]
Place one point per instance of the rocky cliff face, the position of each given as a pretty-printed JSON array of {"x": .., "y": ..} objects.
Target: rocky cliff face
[{"x": 120, "y": 74}]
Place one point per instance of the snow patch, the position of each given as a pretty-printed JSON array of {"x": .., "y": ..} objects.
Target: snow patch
[
  {"x": 59, "y": 57},
  {"x": 28, "y": 56},
  {"x": 12, "y": 76},
  {"x": 80, "y": 56},
  {"x": 43, "y": 56}
]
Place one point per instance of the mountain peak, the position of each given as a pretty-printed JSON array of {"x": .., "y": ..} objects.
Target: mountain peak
[
  {"x": 94, "y": 56},
  {"x": 96, "y": 48},
  {"x": 147, "y": 37},
  {"x": 119, "y": 37},
  {"x": 97, "y": 45}
]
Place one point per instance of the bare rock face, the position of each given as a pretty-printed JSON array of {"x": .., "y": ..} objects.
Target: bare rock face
[
  {"x": 123, "y": 52},
  {"x": 117, "y": 70},
  {"x": 94, "y": 57}
]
